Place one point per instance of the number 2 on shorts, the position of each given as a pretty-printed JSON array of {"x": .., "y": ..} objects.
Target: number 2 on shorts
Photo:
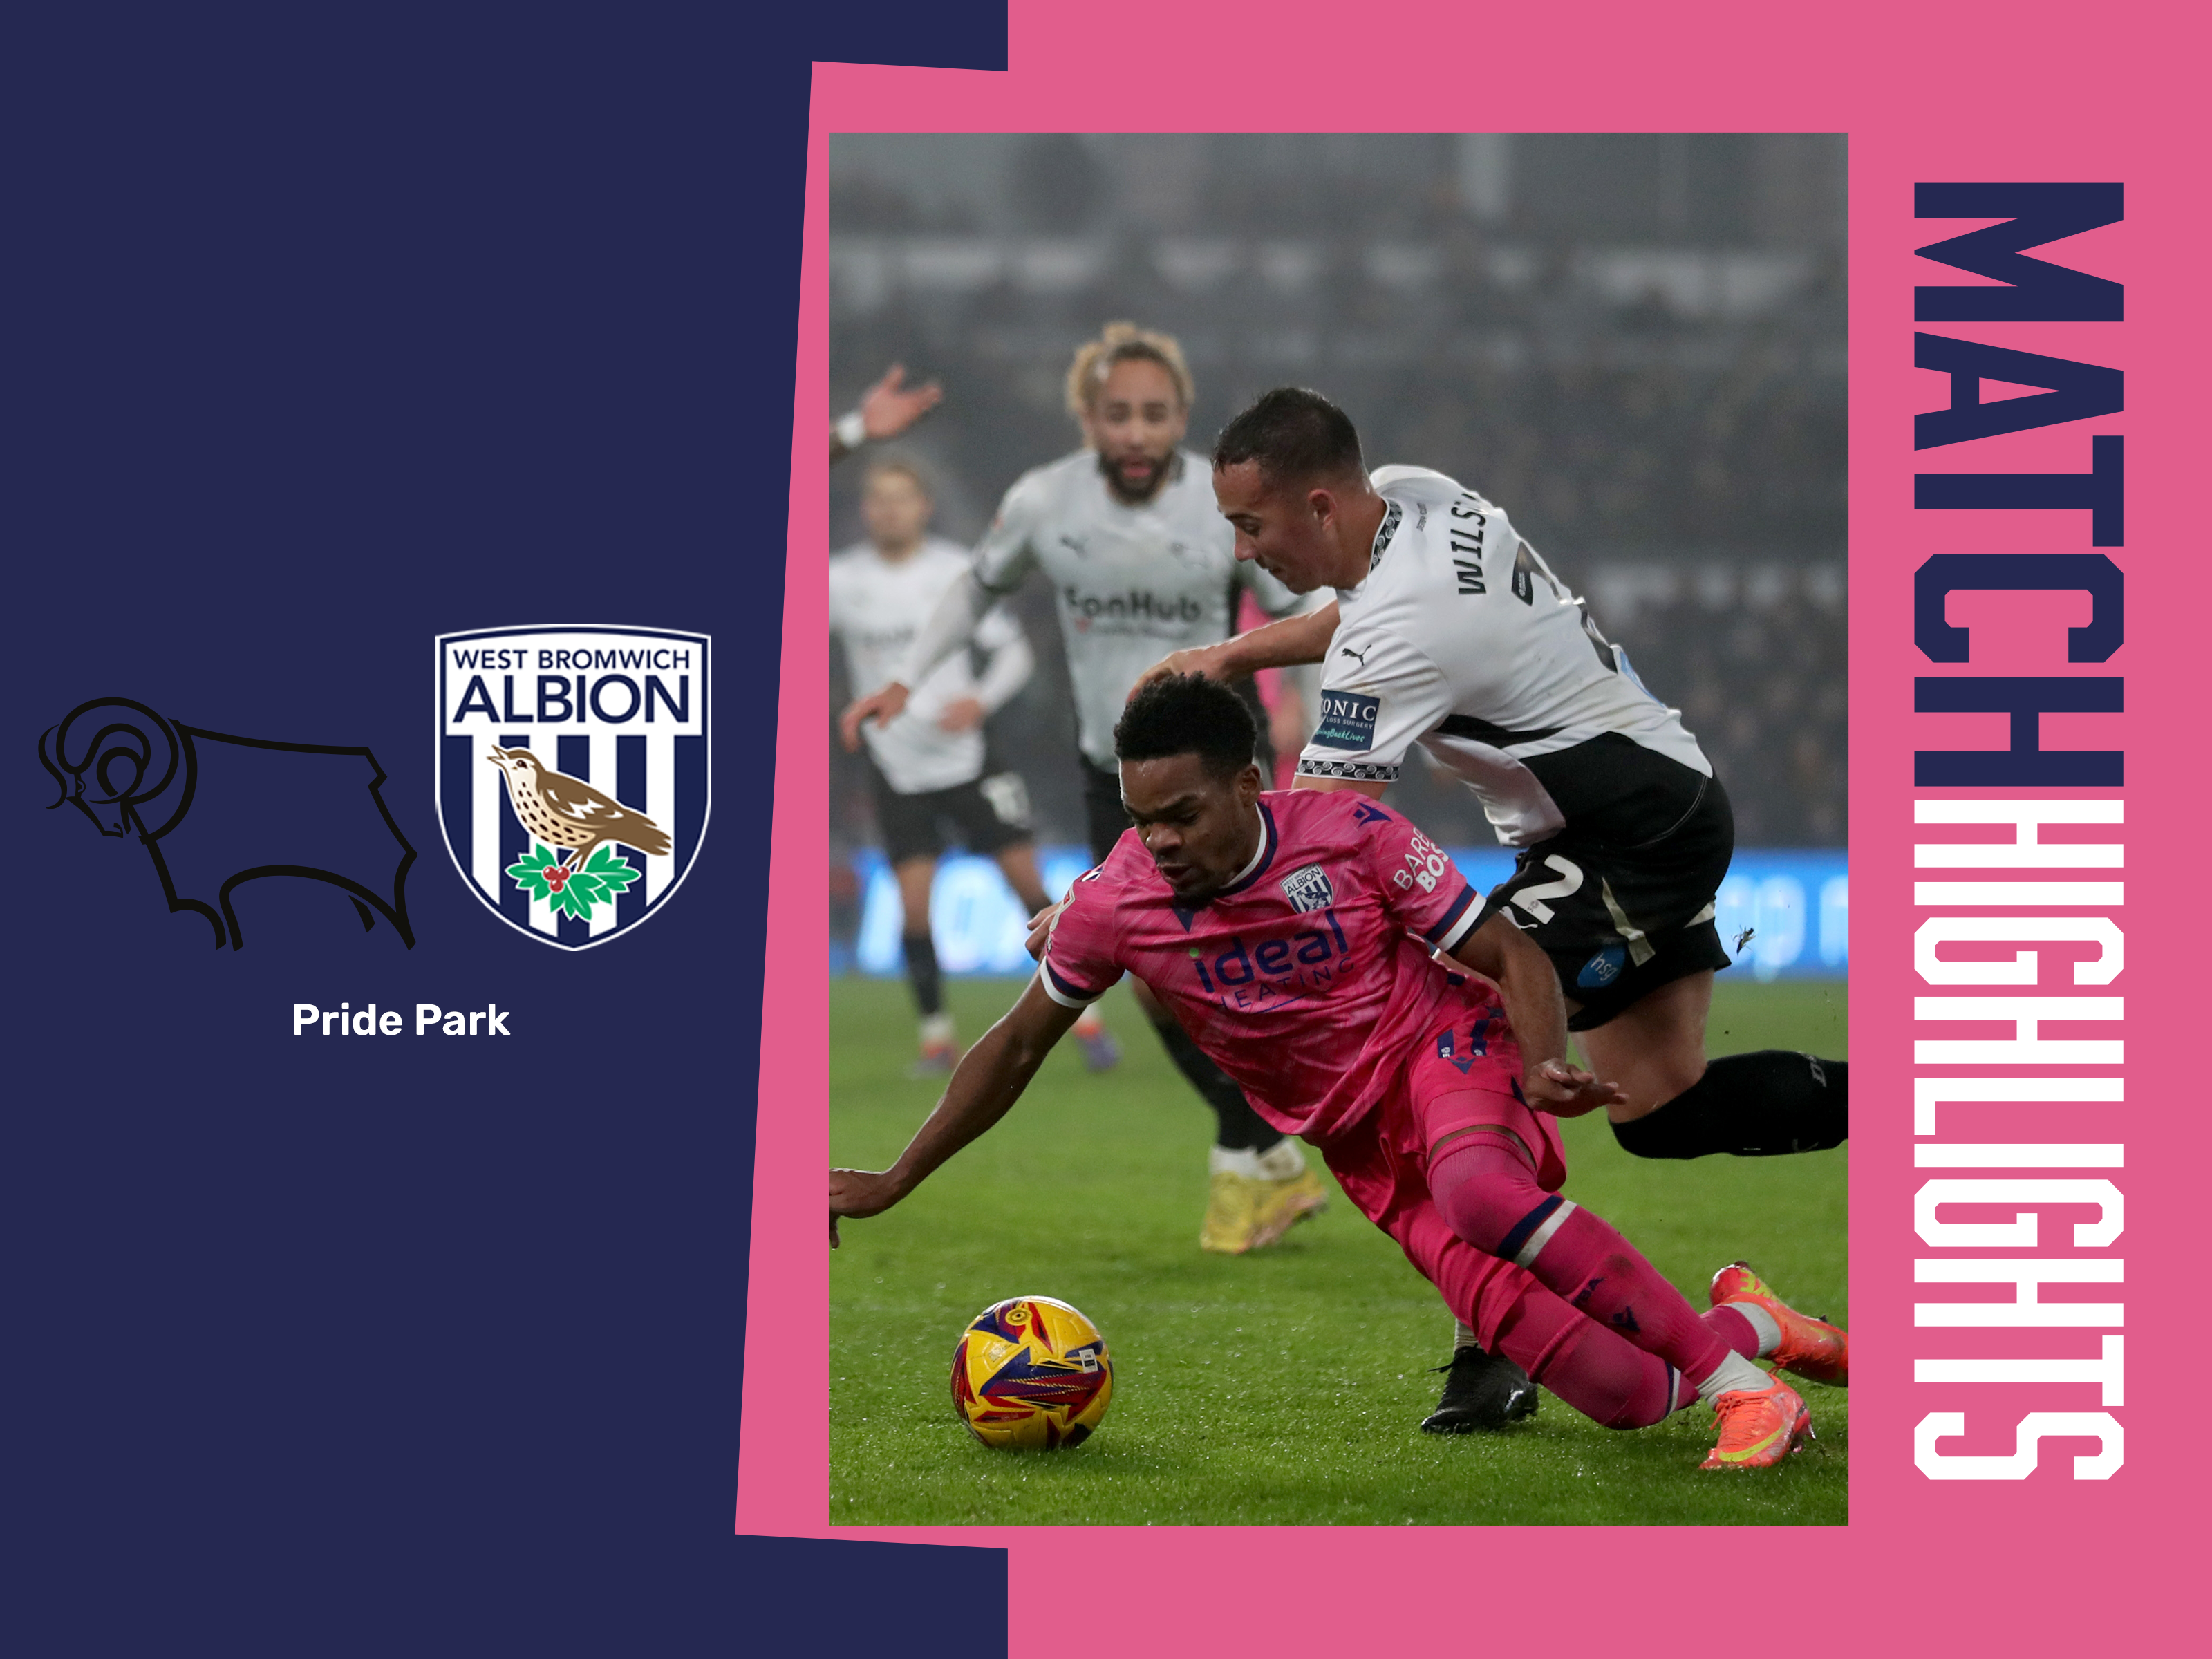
[{"x": 1531, "y": 899}]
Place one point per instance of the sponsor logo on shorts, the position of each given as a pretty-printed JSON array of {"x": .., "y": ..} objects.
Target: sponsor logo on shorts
[
  {"x": 1308, "y": 889},
  {"x": 1602, "y": 968},
  {"x": 1347, "y": 720},
  {"x": 1478, "y": 1044}
]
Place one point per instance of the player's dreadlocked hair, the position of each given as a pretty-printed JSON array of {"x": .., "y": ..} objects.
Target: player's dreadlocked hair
[
  {"x": 1122, "y": 343},
  {"x": 1188, "y": 714},
  {"x": 1293, "y": 434}
]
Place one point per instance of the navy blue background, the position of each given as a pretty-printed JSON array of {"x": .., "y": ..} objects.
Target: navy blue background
[{"x": 330, "y": 332}]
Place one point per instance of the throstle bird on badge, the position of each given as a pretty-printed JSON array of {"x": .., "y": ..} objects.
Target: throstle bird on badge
[{"x": 569, "y": 813}]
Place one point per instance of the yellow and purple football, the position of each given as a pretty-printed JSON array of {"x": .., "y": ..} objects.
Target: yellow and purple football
[{"x": 1031, "y": 1373}]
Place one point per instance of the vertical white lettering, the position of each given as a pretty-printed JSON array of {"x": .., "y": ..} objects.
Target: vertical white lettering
[{"x": 2030, "y": 1430}]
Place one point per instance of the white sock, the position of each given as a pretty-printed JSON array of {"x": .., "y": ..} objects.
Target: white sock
[
  {"x": 1465, "y": 1336},
  {"x": 1762, "y": 1325},
  {"x": 936, "y": 1029},
  {"x": 1233, "y": 1160},
  {"x": 1733, "y": 1374},
  {"x": 1282, "y": 1161}
]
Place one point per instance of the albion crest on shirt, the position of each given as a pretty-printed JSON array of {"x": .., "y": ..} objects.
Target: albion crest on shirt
[
  {"x": 613, "y": 722},
  {"x": 1308, "y": 889},
  {"x": 1305, "y": 976}
]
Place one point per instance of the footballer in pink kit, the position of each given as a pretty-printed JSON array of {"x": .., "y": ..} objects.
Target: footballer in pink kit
[
  {"x": 1325, "y": 954},
  {"x": 1307, "y": 976}
]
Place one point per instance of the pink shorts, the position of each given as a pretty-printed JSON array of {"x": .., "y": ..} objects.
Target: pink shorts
[
  {"x": 1461, "y": 1076},
  {"x": 1464, "y": 1076},
  {"x": 1381, "y": 1162}
]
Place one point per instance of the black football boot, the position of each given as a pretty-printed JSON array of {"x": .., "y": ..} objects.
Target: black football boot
[{"x": 1484, "y": 1391}]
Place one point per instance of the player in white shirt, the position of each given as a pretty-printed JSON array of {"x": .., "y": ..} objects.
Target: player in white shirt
[
  {"x": 927, "y": 766},
  {"x": 1141, "y": 564},
  {"x": 1450, "y": 631}
]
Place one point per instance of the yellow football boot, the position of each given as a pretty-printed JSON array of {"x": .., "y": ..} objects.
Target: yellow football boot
[
  {"x": 1278, "y": 1205},
  {"x": 1230, "y": 1200}
]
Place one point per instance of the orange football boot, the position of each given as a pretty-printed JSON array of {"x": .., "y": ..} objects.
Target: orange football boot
[
  {"x": 1758, "y": 1427},
  {"x": 1811, "y": 1348}
]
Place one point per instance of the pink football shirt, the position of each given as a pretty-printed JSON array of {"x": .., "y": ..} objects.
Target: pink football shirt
[{"x": 1308, "y": 977}]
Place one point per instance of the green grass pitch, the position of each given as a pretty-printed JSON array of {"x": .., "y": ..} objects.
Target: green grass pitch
[{"x": 1283, "y": 1387}]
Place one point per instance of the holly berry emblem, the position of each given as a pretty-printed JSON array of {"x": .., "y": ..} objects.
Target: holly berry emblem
[{"x": 574, "y": 891}]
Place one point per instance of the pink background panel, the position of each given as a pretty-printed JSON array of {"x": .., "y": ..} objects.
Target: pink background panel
[{"x": 1926, "y": 93}]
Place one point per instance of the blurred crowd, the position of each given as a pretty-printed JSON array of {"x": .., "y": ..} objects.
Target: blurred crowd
[{"x": 1633, "y": 345}]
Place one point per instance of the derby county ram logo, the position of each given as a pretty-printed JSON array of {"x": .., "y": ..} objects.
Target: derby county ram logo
[
  {"x": 572, "y": 772},
  {"x": 217, "y": 812}
]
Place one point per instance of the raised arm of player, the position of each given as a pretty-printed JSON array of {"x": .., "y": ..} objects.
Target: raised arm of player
[
  {"x": 887, "y": 408},
  {"x": 1529, "y": 987},
  {"x": 985, "y": 1086},
  {"x": 1282, "y": 644}
]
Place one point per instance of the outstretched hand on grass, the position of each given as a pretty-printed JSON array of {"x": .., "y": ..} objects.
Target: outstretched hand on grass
[{"x": 858, "y": 1193}]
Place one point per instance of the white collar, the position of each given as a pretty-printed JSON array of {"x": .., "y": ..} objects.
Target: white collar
[{"x": 1258, "y": 852}]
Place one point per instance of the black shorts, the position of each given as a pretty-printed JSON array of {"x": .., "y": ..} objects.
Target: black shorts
[
  {"x": 1102, "y": 812},
  {"x": 1104, "y": 819},
  {"x": 989, "y": 814},
  {"x": 1621, "y": 916}
]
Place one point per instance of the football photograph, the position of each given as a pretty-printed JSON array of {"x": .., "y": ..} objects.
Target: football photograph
[
  {"x": 1338, "y": 897},
  {"x": 1378, "y": 578}
]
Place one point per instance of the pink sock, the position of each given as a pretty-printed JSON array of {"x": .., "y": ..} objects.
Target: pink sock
[
  {"x": 1488, "y": 1193},
  {"x": 1733, "y": 1329},
  {"x": 1604, "y": 1378}
]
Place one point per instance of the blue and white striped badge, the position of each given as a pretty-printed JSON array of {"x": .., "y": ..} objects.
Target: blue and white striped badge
[
  {"x": 1308, "y": 889},
  {"x": 572, "y": 772}
]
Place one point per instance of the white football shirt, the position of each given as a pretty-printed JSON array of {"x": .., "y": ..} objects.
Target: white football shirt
[
  {"x": 877, "y": 606},
  {"x": 1461, "y": 638},
  {"x": 1131, "y": 583}
]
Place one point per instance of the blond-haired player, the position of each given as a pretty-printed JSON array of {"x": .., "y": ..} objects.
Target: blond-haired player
[{"x": 1141, "y": 564}]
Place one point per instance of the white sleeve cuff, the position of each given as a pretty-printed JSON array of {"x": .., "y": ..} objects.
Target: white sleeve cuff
[
  {"x": 1048, "y": 980},
  {"x": 1459, "y": 929}
]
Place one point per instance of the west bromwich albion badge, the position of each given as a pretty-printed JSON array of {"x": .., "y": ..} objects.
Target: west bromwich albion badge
[
  {"x": 1308, "y": 889},
  {"x": 572, "y": 772}
]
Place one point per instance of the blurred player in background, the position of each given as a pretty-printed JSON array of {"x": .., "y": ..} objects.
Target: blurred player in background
[
  {"x": 886, "y": 409},
  {"x": 1328, "y": 953},
  {"x": 1141, "y": 563},
  {"x": 1450, "y": 631},
  {"x": 927, "y": 766}
]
